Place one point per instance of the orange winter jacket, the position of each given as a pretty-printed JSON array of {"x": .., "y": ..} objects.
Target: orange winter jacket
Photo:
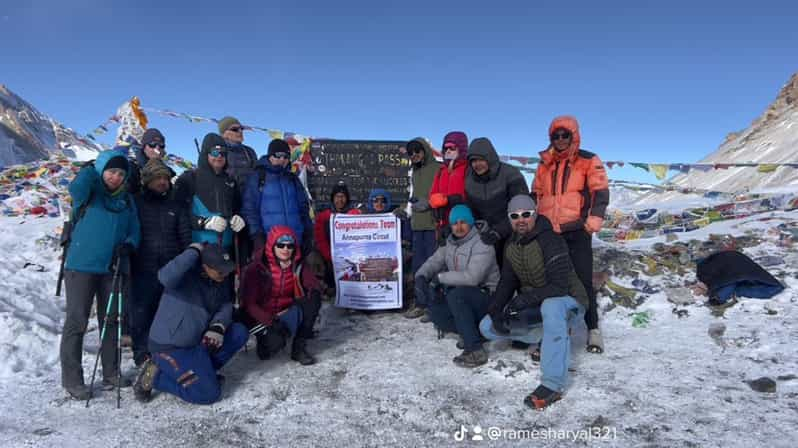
[{"x": 571, "y": 187}]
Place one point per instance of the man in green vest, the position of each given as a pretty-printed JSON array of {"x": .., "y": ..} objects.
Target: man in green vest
[{"x": 550, "y": 297}]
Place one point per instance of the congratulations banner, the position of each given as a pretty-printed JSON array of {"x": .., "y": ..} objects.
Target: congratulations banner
[{"x": 367, "y": 254}]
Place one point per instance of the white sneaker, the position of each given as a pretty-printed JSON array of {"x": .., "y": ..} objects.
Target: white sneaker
[{"x": 595, "y": 343}]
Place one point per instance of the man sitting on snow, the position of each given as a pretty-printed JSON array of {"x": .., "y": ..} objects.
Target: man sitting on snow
[
  {"x": 537, "y": 266},
  {"x": 192, "y": 335}
]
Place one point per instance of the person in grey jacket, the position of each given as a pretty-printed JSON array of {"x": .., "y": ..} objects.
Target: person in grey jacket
[
  {"x": 193, "y": 334},
  {"x": 465, "y": 273}
]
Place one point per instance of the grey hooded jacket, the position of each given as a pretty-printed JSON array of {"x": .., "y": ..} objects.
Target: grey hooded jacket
[{"x": 463, "y": 261}]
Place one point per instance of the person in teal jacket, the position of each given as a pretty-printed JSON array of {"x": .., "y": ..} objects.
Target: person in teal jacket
[{"x": 106, "y": 226}]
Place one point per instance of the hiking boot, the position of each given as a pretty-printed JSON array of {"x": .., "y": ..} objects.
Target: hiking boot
[
  {"x": 142, "y": 388},
  {"x": 415, "y": 312},
  {"x": 595, "y": 343},
  {"x": 461, "y": 344},
  {"x": 112, "y": 382},
  {"x": 471, "y": 359},
  {"x": 79, "y": 392},
  {"x": 300, "y": 354},
  {"x": 541, "y": 398},
  {"x": 534, "y": 353},
  {"x": 426, "y": 318},
  {"x": 519, "y": 345}
]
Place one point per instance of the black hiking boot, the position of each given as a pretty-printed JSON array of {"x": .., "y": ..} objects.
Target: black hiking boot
[
  {"x": 78, "y": 392},
  {"x": 300, "y": 354},
  {"x": 471, "y": 359},
  {"x": 541, "y": 398}
]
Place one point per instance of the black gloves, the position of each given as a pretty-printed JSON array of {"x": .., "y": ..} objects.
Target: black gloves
[
  {"x": 124, "y": 250},
  {"x": 523, "y": 301},
  {"x": 272, "y": 339},
  {"x": 490, "y": 237},
  {"x": 499, "y": 323}
]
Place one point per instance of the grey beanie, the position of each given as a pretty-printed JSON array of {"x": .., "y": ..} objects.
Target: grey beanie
[{"x": 521, "y": 202}]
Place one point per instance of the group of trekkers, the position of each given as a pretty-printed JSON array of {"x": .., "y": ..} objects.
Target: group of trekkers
[{"x": 488, "y": 260}]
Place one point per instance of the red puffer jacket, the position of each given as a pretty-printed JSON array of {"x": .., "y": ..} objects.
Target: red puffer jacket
[
  {"x": 321, "y": 231},
  {"x": 267, "y": 289},
  {"x": 448, "y": 190}
]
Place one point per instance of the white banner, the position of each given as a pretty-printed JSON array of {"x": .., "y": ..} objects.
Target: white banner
[{"x": 367, "y": 255}]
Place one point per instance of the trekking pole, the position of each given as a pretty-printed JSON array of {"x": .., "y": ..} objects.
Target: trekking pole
[
  {"x": 196, "y": 143},
  {"x": 108, "y": 308},
  {"x": 237, "y": 282},
  {"x": 119, "y": 298}
]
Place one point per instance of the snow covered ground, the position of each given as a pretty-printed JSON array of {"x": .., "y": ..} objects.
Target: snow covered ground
[{"x": 383, "y": 380}]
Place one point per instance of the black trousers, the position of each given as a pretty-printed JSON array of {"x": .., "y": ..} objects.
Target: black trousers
[{"x": 580, "y": 247}]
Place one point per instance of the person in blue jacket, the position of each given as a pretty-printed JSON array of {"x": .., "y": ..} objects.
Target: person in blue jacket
[
  {"x": 275, "y": 196},
  {"x": 193, "y": 334},
  {"x": 106, "y": 227}
]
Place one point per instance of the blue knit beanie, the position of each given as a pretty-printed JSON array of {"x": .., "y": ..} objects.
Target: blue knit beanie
[{"x": 461, "y": 212}]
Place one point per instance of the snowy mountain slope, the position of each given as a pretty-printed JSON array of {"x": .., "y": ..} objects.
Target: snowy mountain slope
[
  {"x": 27, "y": 135},
  {"x": 771, "y": 138},
  {"x": 384, "y": 380}
]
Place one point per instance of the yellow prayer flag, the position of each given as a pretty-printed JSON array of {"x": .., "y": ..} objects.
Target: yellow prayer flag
[
  {"x": 659, "y": 170},
  {"x": 767, "y": 168}
]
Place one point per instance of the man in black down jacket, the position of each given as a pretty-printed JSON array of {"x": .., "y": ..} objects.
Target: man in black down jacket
[
  {"x": 489, "y": 186},
  {"x": 165, "y": 233}
]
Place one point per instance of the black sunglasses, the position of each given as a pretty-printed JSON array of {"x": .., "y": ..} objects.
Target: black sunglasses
[
  {"x": 526, "y": 214},
  {"x": 380, "y": 200},
  {"x": 235, "y": 129},
  {"x": 284, "y": 245},
  {"x": 280, "y": 155},
  {"x": 560, "y": 136},
  {"x": 156, "y": 145}
]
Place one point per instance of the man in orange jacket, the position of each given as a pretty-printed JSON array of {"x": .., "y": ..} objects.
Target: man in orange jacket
[{"x": 572, "y": 191}]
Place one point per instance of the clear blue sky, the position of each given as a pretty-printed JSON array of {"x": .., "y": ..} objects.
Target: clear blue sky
[{"x": 651, "y": 81}]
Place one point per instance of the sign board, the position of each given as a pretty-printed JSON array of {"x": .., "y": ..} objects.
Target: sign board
[
  {"x": 362, "y": 165},
  {"x": 367, "y": 261}
]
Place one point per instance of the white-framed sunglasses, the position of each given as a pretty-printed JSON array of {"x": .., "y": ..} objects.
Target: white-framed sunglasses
[{"x": 521, "y": 214}]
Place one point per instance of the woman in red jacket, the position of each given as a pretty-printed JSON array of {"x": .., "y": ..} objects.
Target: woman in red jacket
[
  {"x": 280, "y": 298},
  {"x": 448, "y": 188}
]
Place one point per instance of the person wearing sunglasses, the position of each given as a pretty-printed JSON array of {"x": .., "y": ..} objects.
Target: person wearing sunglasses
[
  {"x": 153, "y": 146},
  {"x": 489, "y": 186},
  {"x": 572, "y": 190},
  {"x": 539, "y": 291},
  {"x": 281, "y": 297},
  {"x": 448, "y": 189},
  {"x": 457, "y": 281},
  {"x": 380, "y": 202},
  {"x": 273, "y": 196},
  {"x": 241, "y": 159},
  {"x": 211, "y": 195},
  {"x": 422, "y": 223}
]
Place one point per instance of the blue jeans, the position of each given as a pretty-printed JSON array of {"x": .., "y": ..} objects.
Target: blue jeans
[
  {"x": 190, "y": 373},
  {"x": 460, "y": 313},
  {"x": 559, "y": 313},
  {"x": 424, "y": 246}
]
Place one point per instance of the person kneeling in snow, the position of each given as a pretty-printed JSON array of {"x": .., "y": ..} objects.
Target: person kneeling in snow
[
  {"x": 466, "y": 269},
  {"x": 281, "y": 297},
  {"x": 538, "y": 267},
  {"x": 192, "y": 335}
]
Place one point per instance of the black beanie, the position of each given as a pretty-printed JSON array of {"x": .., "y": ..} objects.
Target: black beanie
[
  {"x": 152, "y": 135},
  {"x": 340, "y": 188},
  {"x": 119, "y": 162},
  {"x": 278, "y": 145}
]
